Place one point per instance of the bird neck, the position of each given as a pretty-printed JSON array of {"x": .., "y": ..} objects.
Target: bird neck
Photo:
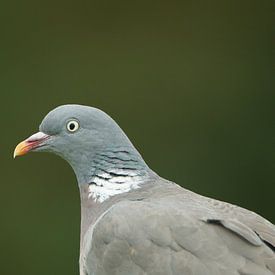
[{"x": 116, "y": 171}]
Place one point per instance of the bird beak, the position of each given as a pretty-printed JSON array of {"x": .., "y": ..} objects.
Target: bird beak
[{"x": 30, "y": 143}]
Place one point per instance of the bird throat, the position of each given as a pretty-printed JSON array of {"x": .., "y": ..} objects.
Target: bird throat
[{"x": 116, "y": 172}]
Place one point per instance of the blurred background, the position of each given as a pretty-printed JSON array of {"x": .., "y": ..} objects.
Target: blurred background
[{"x": 190, "y": 82}]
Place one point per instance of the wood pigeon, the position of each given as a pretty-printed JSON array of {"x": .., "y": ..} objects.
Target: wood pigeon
[{"x": 133, "y": 222}]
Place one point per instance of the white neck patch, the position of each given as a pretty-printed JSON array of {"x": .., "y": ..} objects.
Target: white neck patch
[{"x": 116, "y": 181}]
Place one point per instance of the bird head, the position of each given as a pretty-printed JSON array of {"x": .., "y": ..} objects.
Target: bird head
[{"x": 76, "y": 133}]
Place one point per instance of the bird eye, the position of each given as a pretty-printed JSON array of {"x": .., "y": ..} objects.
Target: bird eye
[{"x": 72, "y": 126}]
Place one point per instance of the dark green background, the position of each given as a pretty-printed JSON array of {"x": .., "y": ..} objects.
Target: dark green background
[{"x": 191, "y": 83}]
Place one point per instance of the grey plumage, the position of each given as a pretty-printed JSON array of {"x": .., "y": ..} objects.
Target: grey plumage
[{"x": 135, "y": 222}]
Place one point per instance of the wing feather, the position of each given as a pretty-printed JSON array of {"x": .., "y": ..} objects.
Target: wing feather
[{"x": 143, "y": 237}]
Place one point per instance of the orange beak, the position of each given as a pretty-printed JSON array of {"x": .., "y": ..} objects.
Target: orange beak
[{"x": 29, "y": 144}]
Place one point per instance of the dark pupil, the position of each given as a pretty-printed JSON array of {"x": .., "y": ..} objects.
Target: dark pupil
[{"x": 71, "y": 126}]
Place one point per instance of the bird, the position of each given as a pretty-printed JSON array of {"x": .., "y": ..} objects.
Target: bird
[{"x": 134, "y": 222}]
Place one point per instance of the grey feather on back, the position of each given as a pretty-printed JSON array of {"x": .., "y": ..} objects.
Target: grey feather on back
[
  {"x": 240, "y": 229},
  {"x": 165, "y": 234}
]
